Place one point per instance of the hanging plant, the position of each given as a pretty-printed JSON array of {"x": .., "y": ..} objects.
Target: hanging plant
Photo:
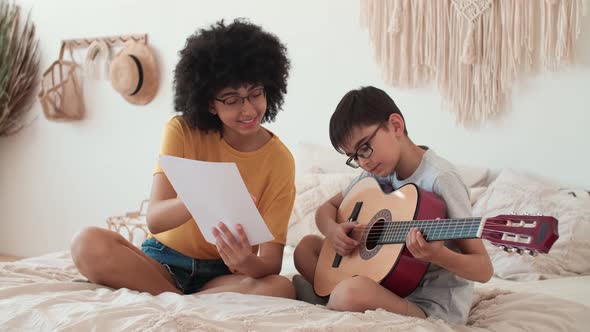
[{"x": 19, "y": 67}]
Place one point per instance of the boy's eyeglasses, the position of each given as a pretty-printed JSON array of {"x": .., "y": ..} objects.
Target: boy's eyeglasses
[
  {"x": 255, "y": 97},
  {"x": 364, "y": 151}
]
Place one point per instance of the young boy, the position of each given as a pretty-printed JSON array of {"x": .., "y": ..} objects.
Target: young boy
[
  {"x": 368, "y": 127},
  {"x": 229, "y": 80}
]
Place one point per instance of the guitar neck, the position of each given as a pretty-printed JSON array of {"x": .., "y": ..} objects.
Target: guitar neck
[{"x": 433, "y": 230}]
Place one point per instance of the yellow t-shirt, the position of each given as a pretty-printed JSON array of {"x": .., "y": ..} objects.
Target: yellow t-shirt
[{"x": 269, "y": 175}]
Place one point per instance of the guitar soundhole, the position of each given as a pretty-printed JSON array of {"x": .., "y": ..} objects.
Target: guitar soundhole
[
  {"x": 374, "y": 234},
  {"x": 370, "y": 245}
]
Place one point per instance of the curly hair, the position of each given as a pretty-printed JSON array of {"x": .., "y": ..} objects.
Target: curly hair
[{"x": 227, "y": 56}]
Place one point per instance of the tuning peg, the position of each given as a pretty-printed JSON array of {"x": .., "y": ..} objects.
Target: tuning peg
[
  {"x": 527, "y": 252},
  {"x": 508, "y": 249},
  {"x": 512, "y": 250},
  {"x": 533, "y": 253},
  {"x": 503, "y": 248}
]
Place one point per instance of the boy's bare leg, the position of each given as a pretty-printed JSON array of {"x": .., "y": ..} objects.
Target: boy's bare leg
[
  {"x": 106, "y": 258},
  {"x": 272, "y": 285},
  {"x": 361, "y": 293},
  {"x": 306, "y": 256}
]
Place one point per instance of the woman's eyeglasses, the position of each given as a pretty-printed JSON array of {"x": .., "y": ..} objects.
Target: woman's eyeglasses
[{"x": 255, "y": 97}]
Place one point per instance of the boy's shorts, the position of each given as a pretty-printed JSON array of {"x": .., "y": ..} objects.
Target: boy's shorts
[{"x": 189, "y": 274}]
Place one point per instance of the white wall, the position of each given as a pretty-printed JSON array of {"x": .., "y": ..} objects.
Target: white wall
[{"x": 56, "y": 178}]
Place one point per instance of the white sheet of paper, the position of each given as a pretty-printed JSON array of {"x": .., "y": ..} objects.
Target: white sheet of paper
[{"x": 214, "y": 192}]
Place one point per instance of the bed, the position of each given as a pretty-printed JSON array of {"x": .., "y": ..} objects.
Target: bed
[
  {"x": 43, "y": 294},
  {"x": 543, "y": 293}
]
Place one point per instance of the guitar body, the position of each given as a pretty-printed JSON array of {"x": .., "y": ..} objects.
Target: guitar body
[{"x": 393, "y": 266}]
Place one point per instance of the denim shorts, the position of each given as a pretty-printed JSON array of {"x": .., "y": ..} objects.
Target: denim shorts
[{"x": 189, "y": 274}]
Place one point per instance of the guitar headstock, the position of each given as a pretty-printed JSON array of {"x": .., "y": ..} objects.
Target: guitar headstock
[{"x": 522, "y": 234}]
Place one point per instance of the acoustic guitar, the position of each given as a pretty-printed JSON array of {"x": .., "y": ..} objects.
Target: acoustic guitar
[{"x": 386, "y": 219}]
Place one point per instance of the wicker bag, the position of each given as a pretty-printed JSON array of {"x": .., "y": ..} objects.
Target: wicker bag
[
  {"x": 132, "y": 225},
  {"x": 61, "y": 93}
]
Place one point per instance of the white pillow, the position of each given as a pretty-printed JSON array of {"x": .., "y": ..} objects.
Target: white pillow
[
  {"x": 518, "y": 193},
  {"x": 322, "y": 172},
  {"x": 317, "y": 158},
  {"x": 474, "y": 176},
  {"x": 313, "y": 189}
]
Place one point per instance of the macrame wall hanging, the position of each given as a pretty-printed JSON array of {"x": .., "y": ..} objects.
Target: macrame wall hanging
[{"x": 473, "y": 49}]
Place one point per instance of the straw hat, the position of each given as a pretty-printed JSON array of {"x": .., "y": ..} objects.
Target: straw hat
[{"x": 134, "y": 73}]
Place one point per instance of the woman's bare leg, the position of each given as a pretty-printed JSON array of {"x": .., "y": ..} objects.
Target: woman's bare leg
[{"x": 106, "y": 258}]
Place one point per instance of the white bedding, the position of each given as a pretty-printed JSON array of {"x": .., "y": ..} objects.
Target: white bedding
[
  {"x": 39, "y": 294},
  {"x": 575, "y": 289}
]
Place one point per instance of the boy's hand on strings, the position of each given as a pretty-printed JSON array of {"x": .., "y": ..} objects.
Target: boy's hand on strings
[
  {"x": 234, "y": 251},
  {"x": 339, "y": 236},
  {"x": 422, "y": 250}
]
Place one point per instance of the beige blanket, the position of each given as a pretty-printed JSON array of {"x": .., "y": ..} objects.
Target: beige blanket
[{"x": 39, "y": 294}]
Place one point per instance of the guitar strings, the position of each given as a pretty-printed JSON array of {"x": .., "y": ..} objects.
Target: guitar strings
[
  {"x": 403, "y": 233},
  {"x": 403, "y": 237},
  {"x": 402, "y": 228},
  {"x": 395, "y": 226},
  {"x": 403, "y": 224}
]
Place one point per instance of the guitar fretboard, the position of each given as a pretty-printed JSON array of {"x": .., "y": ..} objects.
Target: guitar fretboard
[{"x": 433, "y": 230}]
